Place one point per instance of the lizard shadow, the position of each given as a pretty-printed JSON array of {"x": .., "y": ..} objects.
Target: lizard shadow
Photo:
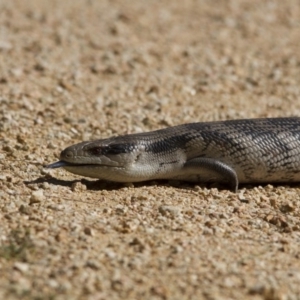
[
  {"x": 98, "y": 185},
  {"x": 92, "y": 185}
]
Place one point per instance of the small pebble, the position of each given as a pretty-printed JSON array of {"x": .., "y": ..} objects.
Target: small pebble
[
  {"x": 88, "y": 231},
  {"x": 22, "y": 267},
  {"x": 37, "y": 197},
  {"x": 78, "y": 187},
  {"x": 165, "y": 209}
]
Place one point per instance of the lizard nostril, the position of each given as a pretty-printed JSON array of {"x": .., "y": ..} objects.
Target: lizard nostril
[
  {"x": 69, "y": 154},
  {"x": 66, "y": 154}
]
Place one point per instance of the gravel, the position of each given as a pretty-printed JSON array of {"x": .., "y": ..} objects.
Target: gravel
[{"x": 80, "y": 70}]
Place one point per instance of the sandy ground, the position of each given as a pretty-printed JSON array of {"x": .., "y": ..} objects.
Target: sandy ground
[{"x": 80, "y": 70}]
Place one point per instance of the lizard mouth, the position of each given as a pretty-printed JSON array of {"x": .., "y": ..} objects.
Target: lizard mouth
[{"x": 63, "y": 164}]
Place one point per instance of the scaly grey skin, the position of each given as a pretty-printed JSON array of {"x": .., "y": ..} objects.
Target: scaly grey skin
[{"x": 233, "y": 152}]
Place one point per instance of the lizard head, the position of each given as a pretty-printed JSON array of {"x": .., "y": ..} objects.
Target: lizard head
[{"x": 104, "y": 159}]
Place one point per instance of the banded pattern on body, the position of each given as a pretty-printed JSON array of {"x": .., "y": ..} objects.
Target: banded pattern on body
[{"x": 233, "y": 151}]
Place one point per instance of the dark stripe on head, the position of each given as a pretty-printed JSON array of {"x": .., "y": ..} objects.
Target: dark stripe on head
[{"x": 112, "y": 149}]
